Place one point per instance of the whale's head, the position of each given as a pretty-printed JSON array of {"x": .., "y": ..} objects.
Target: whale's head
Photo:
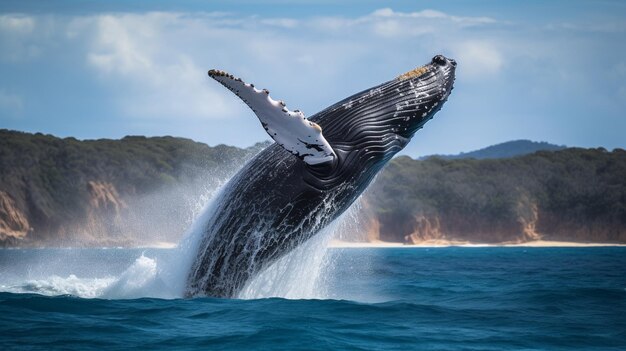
[
  {"x": 420, "y": 94},
  {"x": 383, "y": 119}
]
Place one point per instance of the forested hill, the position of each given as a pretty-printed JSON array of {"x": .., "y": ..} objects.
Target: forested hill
[
  {"x": 139, "y": 191},
  {"x": 504, "y": 150},
  {"x": 568, "y": 195},
  {"x": 103, "y": 192}
]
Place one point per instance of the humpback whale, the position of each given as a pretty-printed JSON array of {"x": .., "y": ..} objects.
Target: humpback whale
[{"x": 314, "y": 171}]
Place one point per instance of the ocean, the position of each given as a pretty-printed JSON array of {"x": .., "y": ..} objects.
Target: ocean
[{"x": 456, "y": 298}]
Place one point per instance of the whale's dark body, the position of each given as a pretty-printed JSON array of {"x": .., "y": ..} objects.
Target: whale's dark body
[{"x": 277, "y": 201}]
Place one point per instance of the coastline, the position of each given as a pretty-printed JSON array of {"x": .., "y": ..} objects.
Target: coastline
[
  {"x": 340, "y": 244},
  {"x": 443, "y": 243}
]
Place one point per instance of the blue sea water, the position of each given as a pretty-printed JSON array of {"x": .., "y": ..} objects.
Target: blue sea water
[{"x": 506, "y": 298}]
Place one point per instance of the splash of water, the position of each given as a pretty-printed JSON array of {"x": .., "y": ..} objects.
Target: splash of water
[
  {"x": 175, "y": 273},
  {"x": 145, "y": 277},
  {"x": 303, "y": 273},
  {"x": 138, "y": 280},
  {"x": 298, "y": 275}
]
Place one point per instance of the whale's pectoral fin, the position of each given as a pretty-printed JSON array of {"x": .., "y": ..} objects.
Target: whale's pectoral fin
[{"x": 290, "y": 129}]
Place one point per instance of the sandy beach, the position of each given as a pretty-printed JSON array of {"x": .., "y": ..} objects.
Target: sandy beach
[
  {"x": 444, "y": 243},
  {"x": 429, "y": 244}
]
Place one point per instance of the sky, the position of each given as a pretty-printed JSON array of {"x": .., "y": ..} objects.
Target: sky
[{"x": 550, "y": 71}]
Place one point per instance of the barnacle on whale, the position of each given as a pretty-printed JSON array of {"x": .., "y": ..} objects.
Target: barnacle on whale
[{"x": 413, "y": 73}]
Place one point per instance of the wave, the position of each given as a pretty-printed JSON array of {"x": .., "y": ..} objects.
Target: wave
[
  {"x": 139, "y": 280},
  {"x": 444, "y": 299}
]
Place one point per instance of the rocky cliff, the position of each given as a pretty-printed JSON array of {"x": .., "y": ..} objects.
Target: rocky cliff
[{"x": 13, "y": 222}]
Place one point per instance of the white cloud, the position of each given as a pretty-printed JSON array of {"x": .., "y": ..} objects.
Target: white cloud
[
  {"x": 388, "y": 23},
  {"x": 150, "y": 68},
  {"x": 155, "y": 63},
  {"x": 609, "y": 26},
  {"x": 477, "y": 58},
  {"x": 162, "y": 59},
  {"x": 16, "y": 43},
  {"x": 16, "y": 24},
  {"x": 433, "y": 14},
  {"x": 115, "y": 49},
  {"x": 11, "y": 103},
  {"x": 281, "y": 22},
  {"x": 141, "y": 52},
  {"x": 397, "y": 28}
]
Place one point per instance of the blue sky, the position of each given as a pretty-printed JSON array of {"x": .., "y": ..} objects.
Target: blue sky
[{"x": 547, "y": 71}]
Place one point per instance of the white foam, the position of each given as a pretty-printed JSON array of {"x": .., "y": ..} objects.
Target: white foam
[{"x": 55, "y": 285}]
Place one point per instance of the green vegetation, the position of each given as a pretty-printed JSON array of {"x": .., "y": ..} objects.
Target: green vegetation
[
  {"x": 47, "y": 177},
  {"x": 573, "y": 194}
]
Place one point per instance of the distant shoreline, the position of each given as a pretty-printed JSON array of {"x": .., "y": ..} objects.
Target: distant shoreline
[
  {"x": 340, "y": 244},
  {"x": 442, "y": 243}
]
